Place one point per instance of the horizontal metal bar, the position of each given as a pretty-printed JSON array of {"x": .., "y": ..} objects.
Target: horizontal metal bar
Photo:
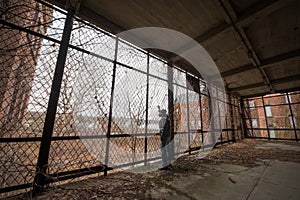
[
  {"x": 38, "y": 139},
  {"x": 85, "y": 137},
  {"x": 29, "y": 139},
  {"x": 28, "y": 31},
  {"x": 271, "y": 105},
  {"x": 277, "y": 129},
  {"x": 77, "y": 173},
  {"x": 266, "y": 138},
  {"x": 229, "y": 129},
  {"x": 16, "y": 187},
  {"x": 128, "y": 135},
  {"x": 272, "y": 95}
]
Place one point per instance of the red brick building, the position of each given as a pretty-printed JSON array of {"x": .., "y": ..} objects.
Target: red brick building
[
  {"x": 189, "y": 114},
  {"x": 19, "y": 55},
  {"x": 275, "y": 115}
]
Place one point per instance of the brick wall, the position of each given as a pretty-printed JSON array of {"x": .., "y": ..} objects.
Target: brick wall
[
  {"x": 19, "y": 56},
  {"x": 278, "y": 115}
]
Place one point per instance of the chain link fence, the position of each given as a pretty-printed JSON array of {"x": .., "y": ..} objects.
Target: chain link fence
[
  {"x": 109, "y": 89},
  {"x": 273, "y": 116}
]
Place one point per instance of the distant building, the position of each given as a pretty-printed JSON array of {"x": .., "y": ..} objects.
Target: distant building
[
  {"x": 187, "y": 115},
  {"x": 272, "y": 115}
]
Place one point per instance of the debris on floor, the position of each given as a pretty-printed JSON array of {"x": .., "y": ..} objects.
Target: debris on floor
[{"x": 231, "y": 171}]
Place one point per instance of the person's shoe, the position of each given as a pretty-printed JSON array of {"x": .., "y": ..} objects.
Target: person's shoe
[
  {"x": 163, "y": 168},
  {"x": 168, "y": 167}
]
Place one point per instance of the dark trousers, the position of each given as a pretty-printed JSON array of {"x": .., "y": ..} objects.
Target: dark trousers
[{"x": 166, "y": 152}]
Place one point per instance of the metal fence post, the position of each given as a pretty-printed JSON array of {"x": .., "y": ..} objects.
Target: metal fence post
[
  {"x": 219, "y": 114},
  {"x": 292, "y": 115},
  {"x": 111, "y": 108},
  {"x": 200, "y": 106},
  {"x": 226, "y": 117},
  {"x": 188, "y": 112},
  {"x": 171, "y": 105},
  {"x": 248, "y": 111},
  {"x": 266, "y": 118},
  {"x": 147, "y": 107},
  {"x": 42, "y": 163},
  {"x": 231, "y": 119},
  {"x": 242, "y": 117}
]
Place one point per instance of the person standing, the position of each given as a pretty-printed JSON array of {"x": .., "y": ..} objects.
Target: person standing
[{"x": 165, "y": 138}]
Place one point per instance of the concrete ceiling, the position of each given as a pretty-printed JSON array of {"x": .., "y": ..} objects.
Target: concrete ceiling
[{"x": 255, "y": 44}]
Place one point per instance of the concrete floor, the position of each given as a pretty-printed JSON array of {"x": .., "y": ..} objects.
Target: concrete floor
[{"x": 272, "y": 179}]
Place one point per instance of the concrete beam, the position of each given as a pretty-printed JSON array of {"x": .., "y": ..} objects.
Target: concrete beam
[
  {"x": 260, "y": 10},
  {"x": 260, "y": 84},
  {"x": 293, "y": 89},
  {"x": 286, "y": 79},
  {"x": 245, "y": 87},
  {"x": 264, "y": 63},
  {"x": 229, "y": 11},
  {"x": 213, "y": 33}
]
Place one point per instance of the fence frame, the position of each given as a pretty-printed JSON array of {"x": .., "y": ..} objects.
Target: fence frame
[
  {"x": 246, "y": 109},
  {"x": 41, "y": 177}
]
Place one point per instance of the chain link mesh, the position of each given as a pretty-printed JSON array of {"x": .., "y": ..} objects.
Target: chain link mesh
[
  {"x": 273, "y": 116},
  {"x": 105, "y": 93},
  {"x": 23, "y": 94}
]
